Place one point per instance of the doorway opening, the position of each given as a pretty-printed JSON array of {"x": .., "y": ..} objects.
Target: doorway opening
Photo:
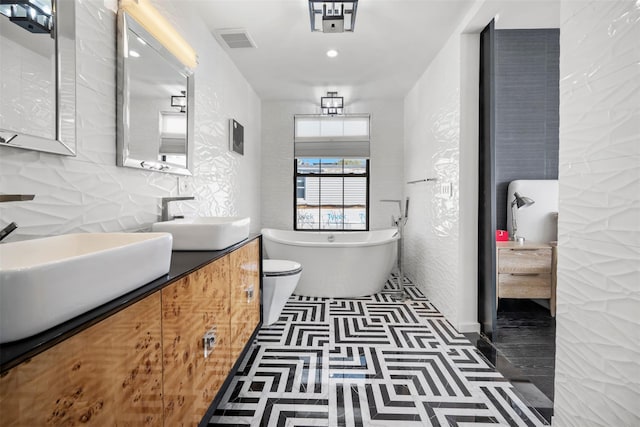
[{"x": 518, "y": 128}]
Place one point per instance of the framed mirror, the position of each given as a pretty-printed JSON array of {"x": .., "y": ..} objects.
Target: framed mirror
[
  {"x": 38, "y": 75},
  {"x": 155, "y": 103}
]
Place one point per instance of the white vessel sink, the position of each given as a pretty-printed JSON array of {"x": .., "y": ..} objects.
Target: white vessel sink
[
  {"x": 44, "y": 282},
  {"x": 205, "y": 233}
]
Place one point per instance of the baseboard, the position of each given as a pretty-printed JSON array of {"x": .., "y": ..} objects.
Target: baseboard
[{"x": 468, "y": 327}]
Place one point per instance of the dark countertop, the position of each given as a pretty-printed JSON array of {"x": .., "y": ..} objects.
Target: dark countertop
[{"x": 182, "y": 263}]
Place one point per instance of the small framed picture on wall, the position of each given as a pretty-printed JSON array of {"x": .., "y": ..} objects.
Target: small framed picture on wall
[{"x": 236, "y": 137}]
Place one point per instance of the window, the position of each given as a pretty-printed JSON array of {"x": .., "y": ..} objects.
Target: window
[
  {"x": 332, "y": 194},
  {"x": 331, "y": 172},
  {"x": 173, "y": 138},
  {"x": 301, "y": 187}
]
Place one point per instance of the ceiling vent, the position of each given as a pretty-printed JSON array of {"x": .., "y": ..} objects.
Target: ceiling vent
[{"x": 236, "y": 38}]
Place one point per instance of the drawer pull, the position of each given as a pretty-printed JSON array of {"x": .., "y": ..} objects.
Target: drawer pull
[
  {"x": 209, "y": 341},
  {"x": 524, "y": 274},
  {"x": 523, "y": 249},
  {"x": 250, "y": 293}
]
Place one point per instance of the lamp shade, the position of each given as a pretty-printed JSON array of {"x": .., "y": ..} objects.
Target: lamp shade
[{"x": 521, "y": 201}]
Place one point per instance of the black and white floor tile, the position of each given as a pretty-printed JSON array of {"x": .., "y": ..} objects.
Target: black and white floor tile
[{"x": 370, "y": 361}]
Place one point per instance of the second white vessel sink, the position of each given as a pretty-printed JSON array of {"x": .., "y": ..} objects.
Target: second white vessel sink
[
  {"x": 205, "y": 233},
  {"x": 44, "y": 282}
]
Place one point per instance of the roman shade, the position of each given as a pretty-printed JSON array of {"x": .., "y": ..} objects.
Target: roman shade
[
  {"x": 332, "y": 136},
  {"x": 173, "y": 137}
]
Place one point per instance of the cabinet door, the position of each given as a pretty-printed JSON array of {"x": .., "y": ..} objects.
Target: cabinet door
[
  {"x": 109, "y": 374},
  {"x": 190, "y": 308},
  {"x": 245, "y": 295}
]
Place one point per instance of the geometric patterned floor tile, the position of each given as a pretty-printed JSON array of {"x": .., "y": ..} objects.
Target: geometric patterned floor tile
[
  {"x": 294, "y": 334},
  {"x": 370, "y": 361},
  {"x": 425, "y": 310},
  {"x": 391, "y": 313},
  {"x": 359, "y": 330}
]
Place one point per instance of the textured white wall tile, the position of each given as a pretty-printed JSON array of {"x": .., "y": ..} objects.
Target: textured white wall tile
[
  {"x": 605, "y": 74},
  {"x": 597, "y": 372},
  {"x": 95, "y": 126},
  {"x": 277, "y": 162},
  {"x": 88, "y": 192},
  {"x": 602, "y": 200},
  {"x": 432, "y": 144},
  {"x": 598, "y": 327},
  {"x": 96, "y": 53}
]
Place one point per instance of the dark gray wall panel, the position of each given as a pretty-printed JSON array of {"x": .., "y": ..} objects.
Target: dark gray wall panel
[
  {"x": 527, "y": 109},
  {"x": 486, "y": 184}
]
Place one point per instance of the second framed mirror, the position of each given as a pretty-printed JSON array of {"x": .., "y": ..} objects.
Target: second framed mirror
[{"x": 155, "y": 102}]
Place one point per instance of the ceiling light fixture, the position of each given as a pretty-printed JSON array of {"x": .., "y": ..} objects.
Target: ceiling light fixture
[
  {"x": 332, "y": 104},
  {"x": 32, "y": 15},
  {"x": 180, "y": 101},
  {"x": 332, "y": 53},
  {"x": 333, "y": 16}
]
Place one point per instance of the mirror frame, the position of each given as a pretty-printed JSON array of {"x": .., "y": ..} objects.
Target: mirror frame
[
  {"x": 123, "y": 158},
  {"x": 64, "y": 16}
]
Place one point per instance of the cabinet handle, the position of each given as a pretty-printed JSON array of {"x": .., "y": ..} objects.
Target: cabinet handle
[
  {"x": 209, "y": 341},
  {"x": 523, "y": 249},
  {"x": 524, "y": 274},
  {"x": 250, "y": 293}
]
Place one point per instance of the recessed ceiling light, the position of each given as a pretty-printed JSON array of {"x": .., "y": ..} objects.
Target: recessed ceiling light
[
  {"x": 332, "y": 53},
  {"x": 134, "y": 54}
]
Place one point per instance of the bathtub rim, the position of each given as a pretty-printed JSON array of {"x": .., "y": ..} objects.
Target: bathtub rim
[{"x": 392, "y": 235}]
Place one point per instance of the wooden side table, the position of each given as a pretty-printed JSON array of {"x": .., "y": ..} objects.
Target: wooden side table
[{"x": 525, "y": 271}]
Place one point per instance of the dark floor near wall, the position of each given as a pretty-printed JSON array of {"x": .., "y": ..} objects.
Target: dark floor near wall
[
  {"x": 523, "y": 350},
  {"x": 526, "y": 335}
]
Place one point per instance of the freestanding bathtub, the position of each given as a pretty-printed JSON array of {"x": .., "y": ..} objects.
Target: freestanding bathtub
[{"x": 339, "y": 264}]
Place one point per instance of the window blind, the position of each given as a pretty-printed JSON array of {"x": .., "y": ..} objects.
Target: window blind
[
  {"x": 173, "y": 138},
  {"x": 332, "y": 136}
]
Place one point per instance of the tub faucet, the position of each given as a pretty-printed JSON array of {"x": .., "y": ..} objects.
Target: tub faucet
[
  {"x": 165, "y": 205},
  {"x": 404, "y": 215},
  {"x": 400, "y": 222}
]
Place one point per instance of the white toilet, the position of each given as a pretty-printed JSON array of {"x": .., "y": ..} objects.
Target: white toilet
[{"x": 280, "y": 278}]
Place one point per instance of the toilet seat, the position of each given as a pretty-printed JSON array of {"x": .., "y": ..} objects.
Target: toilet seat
[{"x": 279, "y": 267}]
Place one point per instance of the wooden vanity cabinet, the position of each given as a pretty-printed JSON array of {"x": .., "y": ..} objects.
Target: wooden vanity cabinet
[
  {"x": 109, "y": 374},
  {"x": 191, "y": 308},
  {"x": 145, "y": 365},
  {"x": 245, "y": 295},
  {"x": 525, "y": 271}
]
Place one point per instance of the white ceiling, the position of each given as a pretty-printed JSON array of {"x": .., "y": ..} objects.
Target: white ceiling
[{"x": 393, "y": 43}]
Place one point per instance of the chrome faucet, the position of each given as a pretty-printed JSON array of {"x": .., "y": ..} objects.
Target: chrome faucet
[
  {"x": 404, "y": 215},
  {"x": 7, "y": 230},
  {"x": 16, "y": 197},
  {"x": 400, "y": 222},
  {"x": 12, "y": 198},
  {"x": 165, "y": 205}
]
